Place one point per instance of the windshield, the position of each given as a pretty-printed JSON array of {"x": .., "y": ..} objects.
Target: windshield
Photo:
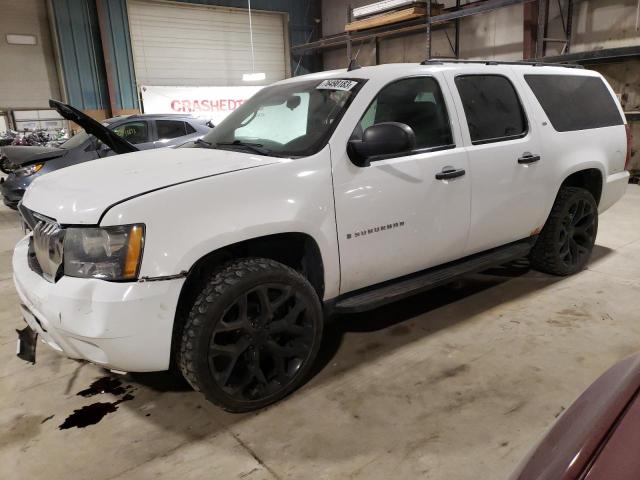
[
  {"x": 290, "y": 120},
  {"x": 75, "y": 141}
]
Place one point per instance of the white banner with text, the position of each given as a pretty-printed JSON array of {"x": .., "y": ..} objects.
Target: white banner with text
[{"x": 212, "y": 103}]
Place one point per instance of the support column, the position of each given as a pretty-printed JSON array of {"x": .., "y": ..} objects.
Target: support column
[
  {"x": 529, "y": 30},
  {"x": 543, "y": 16},
  {"x": 106, "y": 54}
]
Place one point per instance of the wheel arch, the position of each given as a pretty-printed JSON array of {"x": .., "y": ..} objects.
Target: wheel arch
[
  {"x": 589, "y": 178},
  {"x": 297, "y": 250}
]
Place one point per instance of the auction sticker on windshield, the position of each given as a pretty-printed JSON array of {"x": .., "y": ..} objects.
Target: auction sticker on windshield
[{"x": 337, "y": 84}]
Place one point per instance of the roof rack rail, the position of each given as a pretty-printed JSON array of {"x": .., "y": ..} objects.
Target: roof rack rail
[{"x": 441, "y": 61}]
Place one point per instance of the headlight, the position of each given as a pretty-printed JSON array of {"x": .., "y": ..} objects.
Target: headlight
[
  {"x": 109, "y": 253},
  {"x": 29, "y": 170}
]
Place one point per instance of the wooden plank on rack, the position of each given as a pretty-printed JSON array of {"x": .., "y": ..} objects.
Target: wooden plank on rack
[{"x": 391, "y": 17}]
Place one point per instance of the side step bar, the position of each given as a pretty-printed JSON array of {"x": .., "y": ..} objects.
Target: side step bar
[{"x": 387, "y": 292}]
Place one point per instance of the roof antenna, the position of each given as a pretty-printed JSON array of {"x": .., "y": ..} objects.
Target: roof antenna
[{"x": 353, "y": 63}]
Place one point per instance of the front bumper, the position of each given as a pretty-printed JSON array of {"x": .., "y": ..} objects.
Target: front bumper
[{"x": 121, "y": 326}]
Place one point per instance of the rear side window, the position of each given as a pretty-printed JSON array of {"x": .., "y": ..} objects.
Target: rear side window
[
  {"x": 190, "y": 129},
  {"x": 168, "y": 129},
  {"x": 574, "y": 102},
  {"x": 492, "y": 107}
]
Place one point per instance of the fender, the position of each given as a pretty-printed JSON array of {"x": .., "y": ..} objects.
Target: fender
[{"x": 291, "y": 195}]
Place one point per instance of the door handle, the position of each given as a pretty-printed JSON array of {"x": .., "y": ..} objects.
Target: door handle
[
  {"x": 528, "y": 157},
  {"x": 448, "y": 173}
]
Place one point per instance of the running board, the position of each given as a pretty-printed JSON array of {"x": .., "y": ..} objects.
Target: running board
[{"x": 387, "y": 292}]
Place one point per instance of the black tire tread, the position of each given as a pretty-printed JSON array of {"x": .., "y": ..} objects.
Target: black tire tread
[
  {"x": 224, "y": 277},
  {"x": 542, "y": 256}
]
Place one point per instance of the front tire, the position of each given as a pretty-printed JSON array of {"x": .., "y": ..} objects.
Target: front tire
[
  {"x": 252, "y": 334},
  {"x": 566, "y": 241}
]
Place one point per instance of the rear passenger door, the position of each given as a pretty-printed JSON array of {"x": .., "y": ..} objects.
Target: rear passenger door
[
  {"x": 506, "y": 168},
  {"x": 171, "y": 132}
]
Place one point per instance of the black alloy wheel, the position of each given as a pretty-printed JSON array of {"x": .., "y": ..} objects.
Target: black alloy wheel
[
  {"x": 261, "y": 342},
  {"x": 252, "y": 334},
  {"x": 569, "y": 234},
  {"x": 577, "y": 233}
]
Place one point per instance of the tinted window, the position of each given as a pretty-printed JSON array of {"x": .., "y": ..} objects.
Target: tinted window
[
  {"x": 416, "y": 102},
  {"x": 575, "y": 102},
  {"x": 492, "y": 108},
  {"x": 170, "y": 129},
  {"x": 78, "y": 139},
  {"x": 133, "y": 132},
  {"x": 189, "y": 128}
]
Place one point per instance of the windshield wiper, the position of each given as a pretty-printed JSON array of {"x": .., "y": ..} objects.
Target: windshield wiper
[
  {"x": 254, "y": 147},
  {"x": 204, "y": 143}
]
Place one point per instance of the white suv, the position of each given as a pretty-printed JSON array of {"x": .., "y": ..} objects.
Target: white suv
[{"x": 338, "y": 191}]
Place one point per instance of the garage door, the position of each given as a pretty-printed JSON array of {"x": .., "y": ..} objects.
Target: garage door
[{"x": 191, "y": 45}]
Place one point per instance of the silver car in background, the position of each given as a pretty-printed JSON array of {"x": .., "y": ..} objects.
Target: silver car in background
[{"x": 113, "y": 136}]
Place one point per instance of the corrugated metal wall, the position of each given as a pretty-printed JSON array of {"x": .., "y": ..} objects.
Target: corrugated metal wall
[
  {"x": 301, "y": 13},
  {"x": 76, "y": 24},
  {"x": 82, "y": 59},
  {"x": 117, "y": 49}
]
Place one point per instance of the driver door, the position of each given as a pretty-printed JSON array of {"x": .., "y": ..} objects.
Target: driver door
[{"x": 394, "y": 217}]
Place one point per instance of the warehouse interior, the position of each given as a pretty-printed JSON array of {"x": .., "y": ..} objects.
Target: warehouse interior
[{"x": 462, "y": 381}]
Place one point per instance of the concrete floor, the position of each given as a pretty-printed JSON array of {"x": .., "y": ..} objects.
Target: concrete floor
[{"x": 457, "y": 383}]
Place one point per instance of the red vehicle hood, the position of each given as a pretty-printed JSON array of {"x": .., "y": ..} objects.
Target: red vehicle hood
[{"x": 581, "y": 442}]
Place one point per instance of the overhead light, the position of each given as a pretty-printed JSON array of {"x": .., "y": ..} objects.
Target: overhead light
[
  {"x": 14, "y": 39},
  {"x": 253, "y": 77},
  {"x": 383, "y": 6}
]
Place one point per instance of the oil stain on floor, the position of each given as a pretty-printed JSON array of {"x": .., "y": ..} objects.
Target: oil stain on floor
[{"x": 94, "y": 413}]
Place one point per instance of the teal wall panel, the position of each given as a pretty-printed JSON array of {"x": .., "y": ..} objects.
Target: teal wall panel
[
  {"x": 76, "y": 24},
  {"x": 118, "y": 48}
]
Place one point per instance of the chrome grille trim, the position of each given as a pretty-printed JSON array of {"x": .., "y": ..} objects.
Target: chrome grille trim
[
  {"x": 48, "y": 240},
  {"x": 32, "y": 218},
  {"x": 45, "y": 244}
]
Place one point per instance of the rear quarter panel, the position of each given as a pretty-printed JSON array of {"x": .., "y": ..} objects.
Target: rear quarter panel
[{"x": 565, "y": 153}]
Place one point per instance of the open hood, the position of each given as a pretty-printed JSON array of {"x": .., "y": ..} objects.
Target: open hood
[{"x": 102, "y": 133}]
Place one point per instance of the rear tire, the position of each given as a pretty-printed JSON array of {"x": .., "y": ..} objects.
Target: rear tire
[
  {"x": 567, "y": 238},
  {"x": 252, "y": 335}
]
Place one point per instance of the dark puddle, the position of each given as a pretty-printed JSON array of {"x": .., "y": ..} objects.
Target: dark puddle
[
  {"x": 92, "y": 414},
  {"x": 104, "y": 385}
]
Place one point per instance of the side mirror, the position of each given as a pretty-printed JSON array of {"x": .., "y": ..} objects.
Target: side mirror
[{"x": 381, "y": 140}]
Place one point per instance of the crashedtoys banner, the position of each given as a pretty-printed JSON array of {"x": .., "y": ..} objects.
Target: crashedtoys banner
[{"x": 212, "y": 103}]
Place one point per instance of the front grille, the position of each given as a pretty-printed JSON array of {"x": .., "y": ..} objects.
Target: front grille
[
  {"x": 45, "y": 245},
  {"x": 27, "y": 216},
  {"x": 32, "y": 218},
  {"x": 33, "y": 261},
  {"x": 48, "y": 240}
]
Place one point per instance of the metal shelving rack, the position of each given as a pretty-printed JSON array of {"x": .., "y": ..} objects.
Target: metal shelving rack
[
  {"x": 426, "y": 24},
  {"x": 449, "y": 16}
]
